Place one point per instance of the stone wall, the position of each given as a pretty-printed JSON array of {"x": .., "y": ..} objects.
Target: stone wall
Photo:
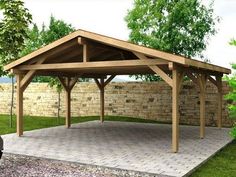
[{"x": 135, "y": 99}]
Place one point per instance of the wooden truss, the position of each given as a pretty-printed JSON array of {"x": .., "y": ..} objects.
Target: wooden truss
[{"x": 84, "y": 54}]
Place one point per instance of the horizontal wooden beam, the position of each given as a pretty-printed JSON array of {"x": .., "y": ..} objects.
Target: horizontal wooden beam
[{"x": 100, "y": 64}]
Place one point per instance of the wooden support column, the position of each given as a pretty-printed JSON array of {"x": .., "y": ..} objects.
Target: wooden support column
[
  {"x": 19, "y": 106},
  {"x": 68, "y": 104},
  {"x": 68, "y": 84},
  {"x": 101, "y": 85},
  {"x": 102, "y": 100},
  {"x": 219, "y": 100},
  {"x": 202, "y": 95},
  {"x": 177, "y": 78},
  {"x": 176, "y": 83}
]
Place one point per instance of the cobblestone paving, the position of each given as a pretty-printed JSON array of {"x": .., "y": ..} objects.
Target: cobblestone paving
[{"x": 130, "y": 146}]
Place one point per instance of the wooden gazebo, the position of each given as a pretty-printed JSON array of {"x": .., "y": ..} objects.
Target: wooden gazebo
[{"x": 84, "y": 54}]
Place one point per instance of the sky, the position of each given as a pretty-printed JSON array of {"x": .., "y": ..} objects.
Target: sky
[{"x": 107, "y": 17}]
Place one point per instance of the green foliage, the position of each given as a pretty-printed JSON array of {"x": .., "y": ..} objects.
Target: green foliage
[
  {"x": 39, "y": 38},
  {"x": 34, "y": 41},
  {"x": 232, "y": 95},
  {"x": 13, "y": 30},
  {"x": 181, "y": 27},
  {"x": 233, "y": 131}
]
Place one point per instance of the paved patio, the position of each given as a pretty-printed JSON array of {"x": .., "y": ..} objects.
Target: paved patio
[{"x": 130, "y": 146}]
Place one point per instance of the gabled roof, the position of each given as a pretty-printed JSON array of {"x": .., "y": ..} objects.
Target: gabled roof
[{"x": 70, "y": 43}]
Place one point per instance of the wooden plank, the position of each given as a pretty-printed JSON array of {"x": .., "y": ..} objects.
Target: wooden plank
[
  {"x": 19, "y": 107},
  {"x": 202, "y": 84},
  {"x": 175, "y": 114},
  {"x": 219, "y": 100},
  {"x": 102, "y": 100},
  {"x": 99, "y": 64},
  {"x": 162, "y": 74},
  {"x": 109, "y": 80}
]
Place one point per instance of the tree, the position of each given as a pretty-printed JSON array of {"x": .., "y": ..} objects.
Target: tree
[
  {"x": 39, "y": 38},
  {"x": 181, "y": 27},
  {"x": 232, "y": 95},
  {"x": 13, "y": 33}
]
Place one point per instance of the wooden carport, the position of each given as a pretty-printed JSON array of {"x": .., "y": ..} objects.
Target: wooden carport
[{"x": 84, "y": 54}]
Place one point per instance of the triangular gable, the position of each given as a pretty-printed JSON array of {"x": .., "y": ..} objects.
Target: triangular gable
[{"x": 119, "y": 44}]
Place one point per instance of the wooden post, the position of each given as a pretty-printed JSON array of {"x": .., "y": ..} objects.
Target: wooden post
[
  {"x": 219, "y": 100},
  {"x": 85, "y": 53},
  {"x": 68, "y": 105},
  {"x": 202, "y": 85},
  {"x": 101, "y": 85},
  {"x": 19, "y": 106},
  {"x": 102, "y": 100},
  {"x": 68, "y": 84},
  {"x": 175, "y": 115}
]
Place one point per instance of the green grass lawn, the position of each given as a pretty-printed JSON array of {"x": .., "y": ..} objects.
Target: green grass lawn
[
  {"x": 223, "y": 164},
  {"x": 33, "y": 122}
]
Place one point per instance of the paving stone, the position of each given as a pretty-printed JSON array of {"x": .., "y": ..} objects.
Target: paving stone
[{"x": 130, "y": 146}]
